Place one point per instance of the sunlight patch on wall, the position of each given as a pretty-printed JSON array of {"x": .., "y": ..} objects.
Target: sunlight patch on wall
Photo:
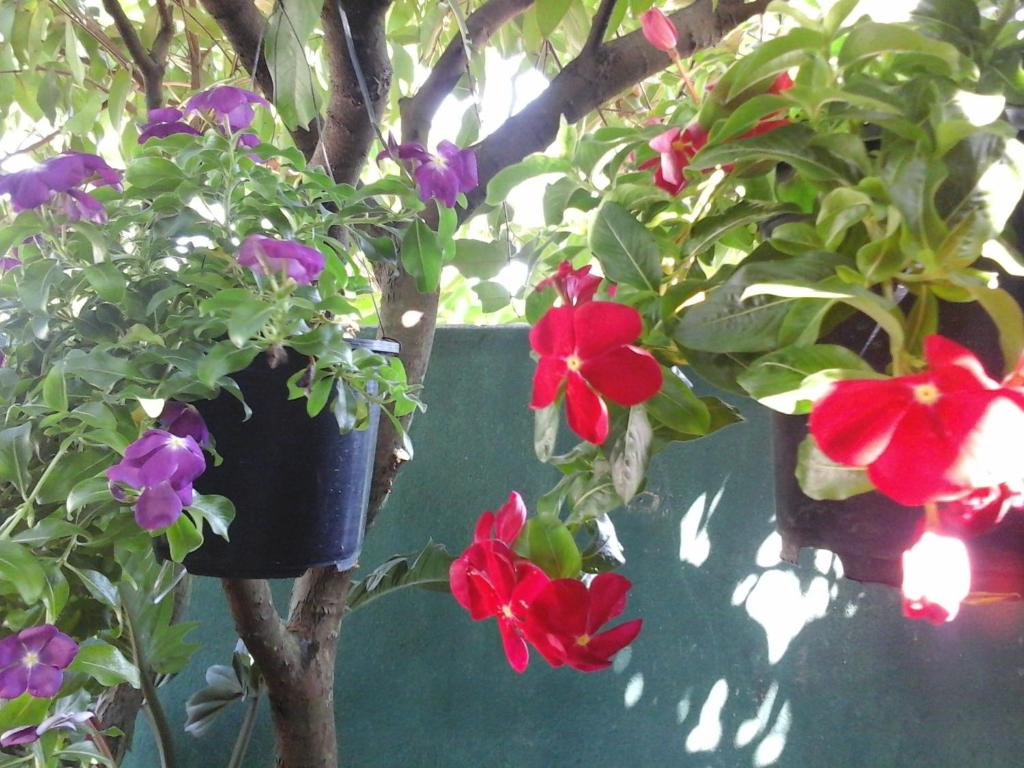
[
  {"x": 770, "y": 749},
  {"x": 707, "y": 735},
  {"x": 755, "y": 726},
  {"x": 694, "y": 541},
  {"x": 634, "y": 690},
  {"x": 783, "y": 609}
]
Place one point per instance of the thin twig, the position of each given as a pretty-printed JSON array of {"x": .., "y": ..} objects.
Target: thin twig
[{"x": 600, "y": 24}]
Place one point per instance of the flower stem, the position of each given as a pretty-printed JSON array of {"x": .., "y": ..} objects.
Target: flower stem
[
  {"x": 931, "y": 516},
  {"x": 24, "y": 509},
  {"x": 687, "y": 82},
  {"x": 244, "y": 733}
]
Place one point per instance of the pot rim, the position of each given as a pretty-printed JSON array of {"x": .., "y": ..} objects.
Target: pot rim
[{"x": 380, "y": 346}]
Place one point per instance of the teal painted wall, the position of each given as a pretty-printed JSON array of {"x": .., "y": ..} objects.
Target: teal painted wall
[{"x": 742, "y": 661}]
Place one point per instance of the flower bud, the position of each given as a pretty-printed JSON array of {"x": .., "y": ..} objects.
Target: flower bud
[{"x": 659, "y": 30}]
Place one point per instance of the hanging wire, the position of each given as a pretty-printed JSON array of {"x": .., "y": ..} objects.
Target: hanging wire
[{"x": 360, "y": 76}]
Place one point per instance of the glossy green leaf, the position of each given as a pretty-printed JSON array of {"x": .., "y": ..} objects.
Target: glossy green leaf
[
  {"x": 218, "y": 512},
  {"x": 19, "y": 567},
  {"x": 545, "y": 431},
  {"x": 105, "y": 664},
  {"x": 479, "y": 258},
  {"x": 15, "y": 454},
  {"x": 296, "y": 92},
  {"x": 630, "y": 454},
  {"x": 628, "y": 253},
  {"x": 421, "y": 256},
  {"x": 823, "y": 479},
  {"x": 426, "y": 569},
  {"x": 552, "y": 547},
  {"x": 507, "y": 179}
]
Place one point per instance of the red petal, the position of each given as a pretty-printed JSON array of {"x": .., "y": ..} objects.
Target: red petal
[
  {"x": 913, "y": 467},
  {"x": 484, "y": 527},
  {"x": 604, "y": 325},
  {"x": 511, "y": 518},
  {"x": 602, "y": 647},
  {"x": 626, "y": 375},
  {"x": 471, "y": 590},
  {"x": 553, "y": 335},
  {"x": 532, "y": 580},
  {"x": 546, "y": 381},
  {"x": 516, "y": 650},
  {"x": 607, "y": 599},
  {"x": 855, "y": 421},
  {"x": 940, "y": 351},
  {"x": 586, "y": 412},
  {"x": 561, "y": 608}
]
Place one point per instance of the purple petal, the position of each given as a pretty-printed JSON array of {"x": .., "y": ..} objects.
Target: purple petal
[
  {"x": 412, "y": 152},
  {"x": 35, "y": 638},
  {"x": 82, "y": 205},
  {"x": 59, "y": 652},
  {"x": 28, "y": 189},
  {"x": 63, "y": 172},
  {"x": 158, "y": 507},
  {"x": 184, "y": 420},
  {"x": 163, "y": 130},
  {"x": 185, "y": 494},
  {"x": 98, "y": 166},
  {"x": 24, "y": 735},
  {"x": 125, "y": 473},
  {"x": 240, "y": 117},
  {"x": 152, "y": 440},
  {"x": 68, "y": 720},
  {"x": 437, "y": 182},
  {"x": 248, "y": 140},
  {"x": 44, "y": 681},
  {"x": 264, "y": 254},
  {"x": 8, "y": 263},
  {"x": 13, "y": 682},
  {"x": 10, "y": 651},
  {"x": 164, "y": 115}
]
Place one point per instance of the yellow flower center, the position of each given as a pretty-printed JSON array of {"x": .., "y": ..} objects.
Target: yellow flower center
[
  {"x": 573, "y": 362},
  {"x": 926, "y": 394},
  {"x": 506, "y": 611},
  {"x": 30, "y": 659},
  {"x": 177, "y": 442},
  {"x": 583, "y": 639}
]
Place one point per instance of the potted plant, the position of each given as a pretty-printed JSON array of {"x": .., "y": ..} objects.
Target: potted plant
[{"x": 832, "y": 217}]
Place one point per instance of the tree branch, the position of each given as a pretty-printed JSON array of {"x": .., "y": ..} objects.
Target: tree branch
[
  {"x": 244, "y": 26},
  {"x": 262, "y": 630},
  {"x": 418, "y": 111},
  {"x": 600, "y": 24},
  {"x": 348, "y": 133},
  {"x": 150, "y": 63},
  {"x": 596, "y": 76}
]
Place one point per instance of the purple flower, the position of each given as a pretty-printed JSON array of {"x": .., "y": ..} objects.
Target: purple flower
[
  {"x": 442, "y": 176},
  {"x": 184, "y": 420},
  {"x": 61, "y": 175},
  {"x": 162, "y": 466},
  {"x": 267, "y": 255},
  {"x": 228, "y": 104},
  {"x": 165, "y": 122},
  {"x": 29, "y": 733},
  {"x": 32, "y": 661},
  {"x": 8, "y": 263}
]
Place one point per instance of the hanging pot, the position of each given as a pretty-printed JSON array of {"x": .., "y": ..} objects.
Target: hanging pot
[
  {"x": 869, "y": 532},
  {"x": 300, "y": 487}
]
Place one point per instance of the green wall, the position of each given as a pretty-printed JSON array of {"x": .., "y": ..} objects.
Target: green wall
[{"x": 742, "y": 661}]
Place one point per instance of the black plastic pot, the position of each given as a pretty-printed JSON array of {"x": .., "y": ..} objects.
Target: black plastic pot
[
  {"x": 299, "y": 486},
  {"x": 869, "y": 532}
]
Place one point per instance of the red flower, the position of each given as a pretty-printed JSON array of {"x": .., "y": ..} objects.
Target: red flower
[
  {"x": 575, "y": 286},
  {"x": 675, "y": 148},
  {"x": 489, "y": 579},
  {"x": 659, "y": 30},
  {"x": 588, "y": 347},
  {"x": 980, "y": 510},
  {"x": 781, "y": 83},
  {"x": 927, "y": 437},
  {"x": 504, "y": 525},
  {"x": 936, "y": 578},
  {"x": 565, "y": 617}
]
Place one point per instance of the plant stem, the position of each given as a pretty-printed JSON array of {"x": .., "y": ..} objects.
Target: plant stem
[
  {"x": 158, "y": 722},
  {"x": 245, "y": 733},
  {"x": 687, "y": 82},
  {"x": 24, "y": 508}
]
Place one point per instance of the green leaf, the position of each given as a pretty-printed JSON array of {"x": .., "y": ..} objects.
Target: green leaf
[
  {"x": 223, "y": 688},
  {"x": 94, "y": 490},
  {"x": 628, "y": 253},
  {"x": 550, "y": 14},
  {"x": 759, "y": 68},
  {"x": 822, "y": 479},
  {"x": 99, "y": 586},
  {"x": 728, "y": 320},
  {"x": 789, "y": 144},
  {"x": 631, "y": 454},
  {"x": 18, "y": 566},
  {"x": 427, "y": 569},
  {"x": 1006, "y": 315},
  {"x": 183, "y": 536},
  {"x": 867, "y": 41},
  {"x": 288, "y": 30},
  {"x": 120, "y": 86},
  {"x": 507, "y": 179},
  {"x": 247, "y": 320},
  {"x": 551, "y": 546},
  {"x": 605, "y": 551},
  {"x": 216, "y": 511},
  {"x": 778, "y": 380},
  {"x": 493, "y": 296},
  {"x": 545, "y": 431},
  {"x": 477, "y": 258},
  {"x": 55, "y": 389},
  {"x": 154, "y": 175},
  {"x": 222, "y": 359},
  {"x": 556, "y": 199},
  {"x": 677, "y": 407},
  {"x": 108, "y": 282},
  {"x": 841, "y": 209},
  {"x": 15, "y": 454},
  {"x": 421, "y": 256},
  {"x": 105, "y": 664},
  {"x": 24, "y": 710},
  {"x": 710, "y": 229}
]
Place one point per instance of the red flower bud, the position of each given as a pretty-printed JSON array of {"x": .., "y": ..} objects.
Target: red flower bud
[{"x": 659, "y": 30}]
